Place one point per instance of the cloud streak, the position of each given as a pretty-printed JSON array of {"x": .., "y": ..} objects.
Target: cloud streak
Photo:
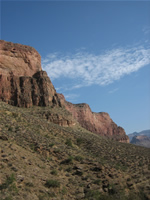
[
  {"x": 146, "y": 30},
  {"x": 87, "y": 69}
]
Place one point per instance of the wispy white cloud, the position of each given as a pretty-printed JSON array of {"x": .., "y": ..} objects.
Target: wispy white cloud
[
  {"x": 113, "y": 91},
  {"x": 146, "y": 30},
  {"x": 88, "y": 69},
  {"x": 71, "y": 97}
]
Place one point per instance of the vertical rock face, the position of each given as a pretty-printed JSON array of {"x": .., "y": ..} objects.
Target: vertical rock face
[
  {"x": 27, "y": 91},
  {"x": 22, "y": 81}
]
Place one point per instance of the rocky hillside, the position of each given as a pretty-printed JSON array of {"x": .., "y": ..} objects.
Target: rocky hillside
[
  {"x": 41, "y": 160},
  {"x": 24, "y": 84}
]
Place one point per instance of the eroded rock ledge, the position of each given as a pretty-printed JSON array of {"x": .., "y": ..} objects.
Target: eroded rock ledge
[{"x": 99, "y": 123}]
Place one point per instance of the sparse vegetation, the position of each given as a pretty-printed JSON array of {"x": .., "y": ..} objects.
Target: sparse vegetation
[
  {"x": 42, "y": 159},
  {"x": 78, "y": 158},
  {"x": 52, "y": 183},
  {"x": 54, "y": 172},
  {"x": 79, "y": 141},
  {"x": 68, "y": 142},
  {"x": 10, "y": 179}
]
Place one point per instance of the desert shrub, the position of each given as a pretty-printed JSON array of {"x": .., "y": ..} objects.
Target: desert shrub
[
  {"x": 92, "y": 194},
  {"x": 10, "y": 128},
  {"x": 29, "y": 184},
  {"x": 68, "y": 142},
  {"x": 78, "y": 158},
  {"x": 8, "y": 198},
  {"x": 54, "y": 172},
  {"x": 69, "y": 160},
  {"x": 69, "y": 169},
  {"x": 79, "y": 141},
  {"x": 14, "y": 115},
  {"x": 13, "y": 188},
  {"x": 8, "y": 182},
  {"x": 64, "y": 191},
  {"x": 140, "y": 196},
  {"x": 79, "y": 173},
  {"x": 52, "y": 183},
  {"x": 97, "y": 182},
  {"x": 112, "y": 189},
  {"x": 51, "y": 144}
]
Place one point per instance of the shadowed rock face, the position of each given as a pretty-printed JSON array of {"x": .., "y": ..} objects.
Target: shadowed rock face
[
  {"x": 27, "y": 91},
  {"x": 24, "y": 84}
]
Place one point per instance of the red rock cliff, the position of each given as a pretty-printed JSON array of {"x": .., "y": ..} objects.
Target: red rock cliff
[
  {"x": 20, "y": 59},
  {"x": 99, "y": 123},
  {"x": 22, "y": 81}
]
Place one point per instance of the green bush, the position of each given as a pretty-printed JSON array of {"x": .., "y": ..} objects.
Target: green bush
[
  {"x": 92, "y": 194},
  {"x": 51, "y": 144},
  {"x": 68, "y": 161},
  {"x": 97, "y": 182},
  {"x": 78, "y": 158},
  {"x": 68, "y": 142},
  {"x": 54, "y": 172},
  {"x": 79, "y": 141},
  {"x": 8, "y": 182}
]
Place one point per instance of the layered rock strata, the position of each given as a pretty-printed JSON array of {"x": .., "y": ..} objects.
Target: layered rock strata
[
  {"x": 99, "y": 123},
  {"x": 22, "y": 81},
  {"x": 25, "y": 91}
]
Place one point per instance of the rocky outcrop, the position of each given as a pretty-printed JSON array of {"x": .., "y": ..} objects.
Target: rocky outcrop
[
  {"x": 24, "y": 84},
  {"x": 99, "y": 123},
  {"x": 22, "y": 81},
  {"x": 27, "y": 91},
  {"x": 20, "y": 59},
  {"x": 61, "y": 120}
]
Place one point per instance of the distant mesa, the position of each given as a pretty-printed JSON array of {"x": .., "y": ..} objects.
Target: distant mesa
[
  {"x": 144, "y": 132},
  {"x": 140, "y": 138},
  {"x": 24, "y": 84}
]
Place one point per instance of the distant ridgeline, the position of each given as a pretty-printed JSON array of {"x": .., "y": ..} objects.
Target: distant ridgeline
[
  {"x": 24, "y": 84},
  {"x": 140, "y": 138}
]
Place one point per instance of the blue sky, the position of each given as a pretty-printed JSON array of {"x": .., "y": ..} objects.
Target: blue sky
[{"x": 97, "y": 52}]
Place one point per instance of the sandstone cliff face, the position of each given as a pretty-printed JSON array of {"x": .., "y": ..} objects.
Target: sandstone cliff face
[
  {"x": 27, "y": 91},
  {"x": 24, "y": 84},
  {"x": 22, "y": 81},
  {"x": 20, "y": 59},
  {"x": 99, "y": 123}
]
